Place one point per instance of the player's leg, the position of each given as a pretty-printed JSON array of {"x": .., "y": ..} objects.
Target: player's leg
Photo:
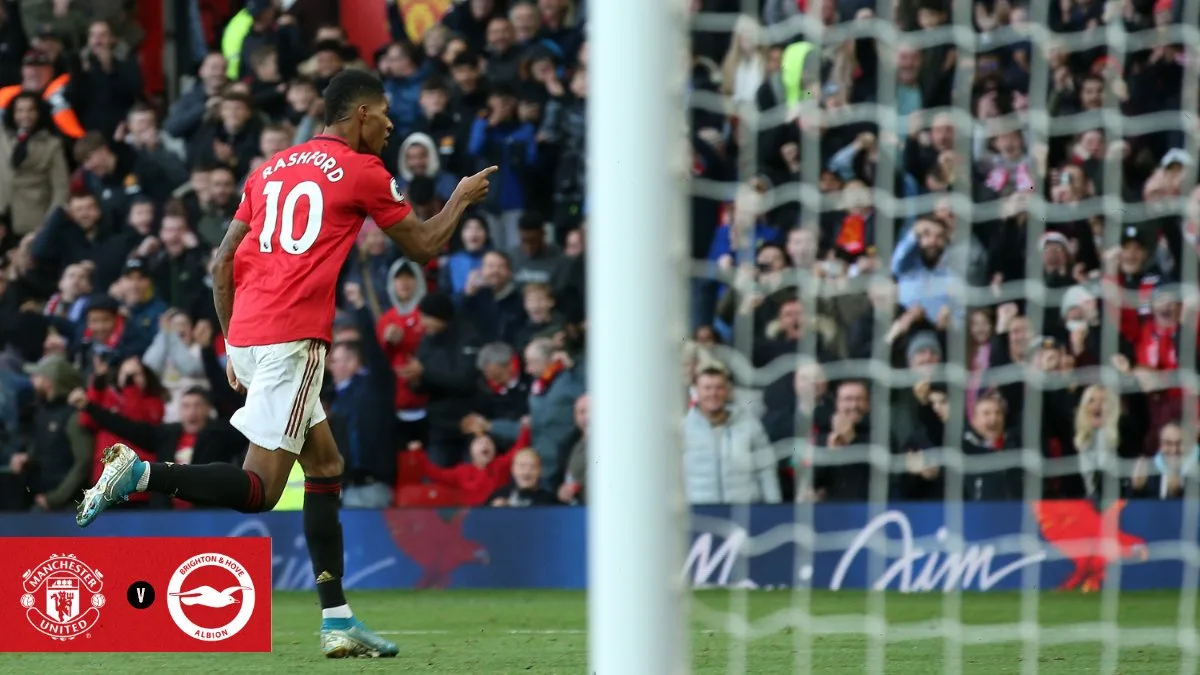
[
  {"x": 342, "y": 635},
  {"x": 281, "y": 382}
]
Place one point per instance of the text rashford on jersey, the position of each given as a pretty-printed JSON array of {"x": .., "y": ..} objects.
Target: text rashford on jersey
[{"x": 321, "y": 160}]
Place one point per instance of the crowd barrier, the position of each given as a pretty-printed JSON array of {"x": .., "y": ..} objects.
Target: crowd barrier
[{"x": 756, "y": 547}]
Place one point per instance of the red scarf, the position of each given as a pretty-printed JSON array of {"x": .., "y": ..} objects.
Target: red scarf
[
  {"x": 501, "y": 389},
  {"x": 111, "y": 342},
  {"x": 542, "y": 385},
  {"x": 853, "y": 237},
  {"x": 1156, "y": 349}
]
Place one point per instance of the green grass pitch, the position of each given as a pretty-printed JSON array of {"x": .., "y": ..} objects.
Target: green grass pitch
[{"x": 498, "y": 632}]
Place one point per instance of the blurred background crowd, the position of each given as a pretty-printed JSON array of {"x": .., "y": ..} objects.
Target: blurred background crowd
[{"x": 463, "y": 382}]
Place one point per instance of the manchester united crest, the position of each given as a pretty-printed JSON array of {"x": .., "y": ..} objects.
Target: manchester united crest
[{"x": 62, "y": 597}]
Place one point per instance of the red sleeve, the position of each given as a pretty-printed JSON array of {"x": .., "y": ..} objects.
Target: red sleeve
[
  {"x": 379, "y": 193},
  {"x": 244, "y": 212}
]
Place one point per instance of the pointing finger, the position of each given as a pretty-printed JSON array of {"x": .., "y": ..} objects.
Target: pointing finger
[{"x": 488, "y": 171}]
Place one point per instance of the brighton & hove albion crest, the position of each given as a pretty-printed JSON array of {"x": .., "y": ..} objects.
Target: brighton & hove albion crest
[
  {"x": 211, "y": 597},
  {"x": 62, "y": 597}
]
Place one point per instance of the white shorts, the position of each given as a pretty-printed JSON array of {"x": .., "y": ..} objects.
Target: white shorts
[{"x": 283, "y": 392}]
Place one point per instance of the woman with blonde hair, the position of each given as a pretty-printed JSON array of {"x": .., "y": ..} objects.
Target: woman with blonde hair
[
  {"x": 745, "y": 65},
  {"x": 1097, "y": 438}
]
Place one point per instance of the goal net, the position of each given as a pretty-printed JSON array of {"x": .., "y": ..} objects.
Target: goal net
[{"x": 946, "y": 252}]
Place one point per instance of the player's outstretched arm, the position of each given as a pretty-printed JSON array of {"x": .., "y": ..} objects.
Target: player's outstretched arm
[
  {"x": 222, "y": 271},
  {"x": 422, "y": 240}
]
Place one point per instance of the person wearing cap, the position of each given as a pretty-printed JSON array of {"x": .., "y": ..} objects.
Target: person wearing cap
[
  {"x": 1132, "y": 269},
  {"x": 57, "y": 460},
  {"x": 142, "y": 307},
  {"x": 444, "y": 369},
  {"x": 399, "y": 331},
  {"x": 37, "y": 76},
  {"x": 1057, "y": 259}
]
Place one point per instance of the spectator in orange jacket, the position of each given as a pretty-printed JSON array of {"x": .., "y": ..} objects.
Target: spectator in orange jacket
[
  {"x": 37, "y": 75},
  {"x": 486, "y": 473},
  {"x": 135, "y": 393},
  {"x": 399, "y": 331}
]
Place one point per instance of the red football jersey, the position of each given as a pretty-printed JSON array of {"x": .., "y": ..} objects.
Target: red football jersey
[{"x": 305, "y": 207}]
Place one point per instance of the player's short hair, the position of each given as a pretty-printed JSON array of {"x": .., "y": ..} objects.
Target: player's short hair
[{"x": 348, "y": 90}]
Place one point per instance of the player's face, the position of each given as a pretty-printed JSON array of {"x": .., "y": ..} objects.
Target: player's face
[{"x": 376, "y": 127}]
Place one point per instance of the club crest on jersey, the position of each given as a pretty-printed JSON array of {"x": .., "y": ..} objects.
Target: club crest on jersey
[
  {"x": 396, "y": 194},
  {"x": 70, "y": 597}
]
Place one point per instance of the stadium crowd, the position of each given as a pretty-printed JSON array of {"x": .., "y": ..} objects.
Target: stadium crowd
[{"x": 462, "y": 382}]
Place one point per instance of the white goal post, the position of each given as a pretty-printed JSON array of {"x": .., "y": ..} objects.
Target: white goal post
[{"x": 636, "y": 270}]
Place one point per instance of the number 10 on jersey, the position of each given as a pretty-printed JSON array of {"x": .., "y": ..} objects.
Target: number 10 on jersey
[{"x": 287, "y": 239}]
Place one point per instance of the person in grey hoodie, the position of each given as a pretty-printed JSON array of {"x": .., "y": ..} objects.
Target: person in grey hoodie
[
  {"x": 727, "y": 458},
  {"x": 419, "y": 157}
]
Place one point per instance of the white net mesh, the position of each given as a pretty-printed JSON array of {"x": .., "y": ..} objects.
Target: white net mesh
[{"x": 1052, "y": 141}]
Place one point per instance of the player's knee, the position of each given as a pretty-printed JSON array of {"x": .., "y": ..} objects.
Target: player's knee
[{"x": 326, "y": 467}]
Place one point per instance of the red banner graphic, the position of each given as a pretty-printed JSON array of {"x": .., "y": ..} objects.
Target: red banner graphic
[{"x": 135, "y": 594}]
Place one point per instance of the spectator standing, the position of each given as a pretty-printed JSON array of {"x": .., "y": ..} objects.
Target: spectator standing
[
  {"x": 459, "y": 265},
  {"x": 399, "y": 331},
  {"x": 106, "y": 87},
  {"x": 231, "y": 138},
  {"x": 197, "y": 438},
  {"x": 403, "y": 77},
  {"x": 119, "y": 173},
  {"x": 574, "y": 487},
  {"x": 174, "y": 357},
  {"x": 188, "y": 112},
  {"x": 727, "y": 458},
  {"x": 364, "y": 392},
  {"x": 37, "y": 77},
  {"x": 419, "y": 157},
  {"x": 70, "y": 235},
  {"x": 534, "y": 261},
  {"x": 13, "y": 42},
  {"x": 141, "y": 307},
  {"x": 444, "y": 370},
  {"x": 33, "y": 168},
  {"x": 565, "y": 128},
  {"x": 556, "y": 384},
  {"x": 178, "y": 268},
  {"x": 492, "y": 298},
  {"x": 58, "y": 459},
  {"x": 500, "y": 139},
  {"x": 501, "y": 404},
  {"x": 131, "y": 391}
]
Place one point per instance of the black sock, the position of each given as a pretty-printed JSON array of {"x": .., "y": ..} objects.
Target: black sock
[
  {"x": 209, "y": 485},
  {"x": 323, "y": 531}
]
